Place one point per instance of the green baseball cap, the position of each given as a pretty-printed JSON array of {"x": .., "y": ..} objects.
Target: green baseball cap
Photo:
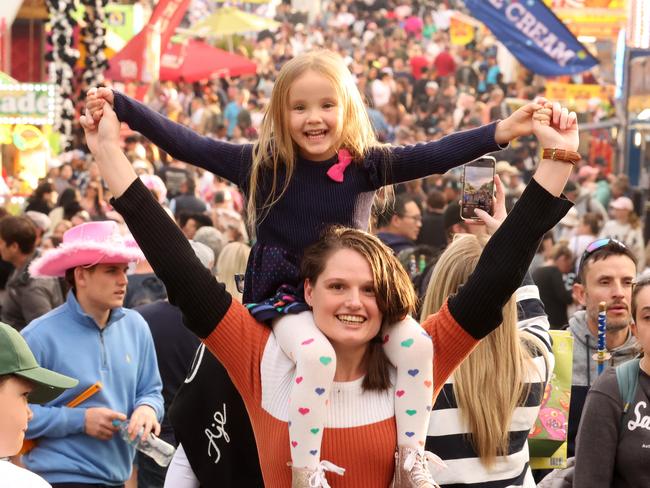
[{"x": 16, "y": 358}]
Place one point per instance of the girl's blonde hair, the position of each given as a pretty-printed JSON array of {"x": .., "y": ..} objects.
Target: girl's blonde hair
[
  {"x": 275, "y": 149},
  {"x": 232, "y": 260},
  {"x": 493, "y": 380}
]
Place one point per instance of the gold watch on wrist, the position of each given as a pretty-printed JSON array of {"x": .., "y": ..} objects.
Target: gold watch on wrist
[{"x": 564, "y": 155}]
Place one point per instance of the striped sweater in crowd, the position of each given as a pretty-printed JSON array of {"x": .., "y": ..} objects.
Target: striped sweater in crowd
[{"x": 447, "y": 436}]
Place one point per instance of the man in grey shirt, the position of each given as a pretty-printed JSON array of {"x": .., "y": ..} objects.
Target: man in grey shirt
[
  {"x": 26, "y": 297},
  {"x": 606, "y": 273}
]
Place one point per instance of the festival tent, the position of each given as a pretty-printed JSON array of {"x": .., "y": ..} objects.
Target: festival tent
[
  {"x": 228, "y": 21},
  {"x": 195, "y": 60}
]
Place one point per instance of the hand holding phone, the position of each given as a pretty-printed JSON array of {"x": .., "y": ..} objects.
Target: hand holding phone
[
  {"x": 494, "y": 221},
  {"x": 478, "y": 187}
]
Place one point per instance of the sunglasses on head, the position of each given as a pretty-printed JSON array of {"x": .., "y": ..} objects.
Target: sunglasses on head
[
  {"x": 598, "y": 244},
  {"x": 239, "y": 282}
]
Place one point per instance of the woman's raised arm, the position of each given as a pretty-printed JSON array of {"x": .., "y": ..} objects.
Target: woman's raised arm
[
  {"x": 505, "y": 259},
  {"x": 188, "y": 282},
  {"x": 229, "y": 161}
]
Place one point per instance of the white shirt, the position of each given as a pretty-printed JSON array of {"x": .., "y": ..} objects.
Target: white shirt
[
  {"x": 380, "y": 93},
  {"x": 16, "y": 477}
]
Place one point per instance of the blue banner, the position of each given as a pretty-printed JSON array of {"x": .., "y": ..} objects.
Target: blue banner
[{"x": 534, "y": 35}]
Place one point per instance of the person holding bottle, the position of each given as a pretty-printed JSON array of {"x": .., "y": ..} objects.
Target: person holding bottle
[{"x": 92, "y": 337}]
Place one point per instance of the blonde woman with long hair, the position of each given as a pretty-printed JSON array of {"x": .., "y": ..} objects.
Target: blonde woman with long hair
[
  {"x": 318, "y": 163},
  {"x": 481, "y": 419},
  {"x": 232, "y": 262}
]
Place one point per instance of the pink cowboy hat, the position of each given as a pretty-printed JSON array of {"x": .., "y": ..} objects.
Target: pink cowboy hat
[{"x": 86, "y": 245}]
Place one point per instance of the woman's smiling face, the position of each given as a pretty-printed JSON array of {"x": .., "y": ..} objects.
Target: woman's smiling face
[{"x": 343, "y": 300}]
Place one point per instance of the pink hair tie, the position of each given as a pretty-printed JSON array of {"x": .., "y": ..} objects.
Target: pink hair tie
[{"x": 337, "y": 170}]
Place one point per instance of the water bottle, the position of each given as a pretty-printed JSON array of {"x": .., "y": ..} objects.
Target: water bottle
[
  {"x": 422, "y": 263},
  {"x": 154, "y": 447},
  {"x": 413, "y": 267}
]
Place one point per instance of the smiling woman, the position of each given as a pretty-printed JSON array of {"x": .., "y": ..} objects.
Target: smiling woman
[
  {"x": 361, "y": 427},
  {"x": 354, "y": 282},
  {"x": 353, "y": 293}
]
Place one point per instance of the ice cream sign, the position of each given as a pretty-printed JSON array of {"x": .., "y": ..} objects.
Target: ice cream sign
[
  {"x": 534, "y": 35},
  {"x": 27, "y": 103}
]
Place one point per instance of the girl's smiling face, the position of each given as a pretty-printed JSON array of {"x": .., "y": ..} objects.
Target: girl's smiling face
[{"x": 315, "y": 116}]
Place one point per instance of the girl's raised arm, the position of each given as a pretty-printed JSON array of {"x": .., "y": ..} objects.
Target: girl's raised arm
[
  {"x": 229, "y": 161},
  {"x": 437, "y": 157}
]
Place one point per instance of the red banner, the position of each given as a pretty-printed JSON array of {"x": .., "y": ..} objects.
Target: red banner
[{"x": 139, "y": 60}]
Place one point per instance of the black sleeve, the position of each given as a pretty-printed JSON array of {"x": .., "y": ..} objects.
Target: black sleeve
[
  {"x": 503, "y": 264},
  {"x": 190, "y": 285}
]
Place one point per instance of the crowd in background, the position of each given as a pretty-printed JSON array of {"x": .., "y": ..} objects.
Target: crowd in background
[{"x": 418, "y": 87}]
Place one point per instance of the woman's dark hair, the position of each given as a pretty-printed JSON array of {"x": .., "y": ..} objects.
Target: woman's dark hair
[
  {"x": 71, "y": 209},
  {"x": 639, "y": 285},
  {"x": 393, "y": 289},
  {"x": 41, "y": 190},
  {"x": 68, "y": 195}
]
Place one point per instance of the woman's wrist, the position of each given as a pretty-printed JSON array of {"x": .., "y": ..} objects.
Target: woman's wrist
[
  {"x": 503, "y": 133},
  {"x": 553, "y": 175}
]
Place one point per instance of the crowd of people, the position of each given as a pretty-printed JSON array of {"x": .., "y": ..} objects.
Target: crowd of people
[{"x": 359, "y": 331}]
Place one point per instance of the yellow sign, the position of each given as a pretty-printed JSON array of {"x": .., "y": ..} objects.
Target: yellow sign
[
  {"x": 578, "y": 95},
  {"x": 610, "y": 4},
  {"x": 461, "y": 33},
  {"x": 570, "y": 91},
  {"x": 24, "y": 137},
  {"x": 601, "y": 19},
  {"x": 30, "y": 163}
]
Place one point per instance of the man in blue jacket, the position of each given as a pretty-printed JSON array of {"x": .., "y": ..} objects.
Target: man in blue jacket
[{"x": 94, "y": 339}]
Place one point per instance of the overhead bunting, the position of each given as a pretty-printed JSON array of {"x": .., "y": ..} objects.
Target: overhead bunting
[
  {"x": 63, "y": 57},
  {"x": 534, "y": 35},
  {"x": 93, "y": 36}
]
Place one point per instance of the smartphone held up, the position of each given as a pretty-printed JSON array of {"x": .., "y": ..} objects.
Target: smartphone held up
[{"x": 478, "y": 187}]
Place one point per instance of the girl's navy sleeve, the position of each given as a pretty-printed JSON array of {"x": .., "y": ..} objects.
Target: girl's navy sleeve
[
  {"x": 405, "y": 163},
  {"x": 229, "y": 161}
]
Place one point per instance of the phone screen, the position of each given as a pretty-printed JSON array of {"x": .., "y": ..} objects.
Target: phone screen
[{"x": 478, "y": 187}]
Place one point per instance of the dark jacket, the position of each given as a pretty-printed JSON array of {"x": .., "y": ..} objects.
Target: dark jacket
[
  {"x": 27, "y": 298},
  {"x": 585, "y": 368},
  {"x": 396, "y": 242},
  {"x": 554, "y": 294}
]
